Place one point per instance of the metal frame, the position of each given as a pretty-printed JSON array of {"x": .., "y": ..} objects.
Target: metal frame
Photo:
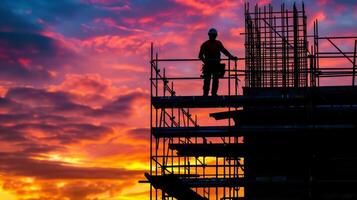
[
  {"x": 165, "y": 161},
  {"x": 277, "y": 55}
]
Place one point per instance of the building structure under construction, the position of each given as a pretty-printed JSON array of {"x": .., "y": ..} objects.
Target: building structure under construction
[{"x": 287, "y": 135}]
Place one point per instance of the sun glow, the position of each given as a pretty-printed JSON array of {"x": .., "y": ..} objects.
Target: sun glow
[
  {"x": 59, "y": 158},
  {"x": 6, "y": 195}
]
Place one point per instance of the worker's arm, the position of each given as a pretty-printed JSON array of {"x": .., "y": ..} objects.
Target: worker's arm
[
  {"x": 226, "y": 52},
  {"x": 200, "y": 55}
]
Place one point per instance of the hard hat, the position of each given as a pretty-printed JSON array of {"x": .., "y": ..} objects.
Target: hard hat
[{"x": 212, "y": 31}]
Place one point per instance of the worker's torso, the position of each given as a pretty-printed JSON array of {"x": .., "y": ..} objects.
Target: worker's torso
[{"x": 212, "y": 50}]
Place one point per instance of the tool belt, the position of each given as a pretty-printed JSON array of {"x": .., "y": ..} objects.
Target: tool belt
[{"x": 219, "y": 68}]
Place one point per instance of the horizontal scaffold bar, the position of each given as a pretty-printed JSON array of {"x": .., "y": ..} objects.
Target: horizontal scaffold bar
[
  {"x": 298, "y": 115},
  {"x": 173, "y": 186},
  {"x": 236, "y": 131},
  {"x": 279, "y": 96},
  {"x": 221, "y": 101}
]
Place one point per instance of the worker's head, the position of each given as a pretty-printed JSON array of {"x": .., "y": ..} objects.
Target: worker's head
[{"x": 212, "y": 34}]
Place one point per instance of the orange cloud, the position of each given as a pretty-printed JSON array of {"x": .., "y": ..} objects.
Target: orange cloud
[
  {"x": 29, "y": 189},
  {"x": 3, "y": 91}
]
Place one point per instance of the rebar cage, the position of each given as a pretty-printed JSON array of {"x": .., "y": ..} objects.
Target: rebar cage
[{"x": 276, "y": 47}]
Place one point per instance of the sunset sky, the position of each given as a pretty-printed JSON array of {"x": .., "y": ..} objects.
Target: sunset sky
[{"x": 74, "y": 88}]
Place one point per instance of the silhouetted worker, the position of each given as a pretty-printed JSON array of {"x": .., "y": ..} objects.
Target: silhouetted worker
[{"x": 210, "y": 54}]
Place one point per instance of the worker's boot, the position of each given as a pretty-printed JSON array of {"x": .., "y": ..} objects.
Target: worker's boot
[
  {"x": 205, "y": 93},
  {"x": 215, "y": 84},
  {"x": 206, "y": 85}
]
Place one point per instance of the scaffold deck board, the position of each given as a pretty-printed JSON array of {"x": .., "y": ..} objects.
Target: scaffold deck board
[
  {"x": 249, "y": 130},
  {"x": 174, "y": 187},
  {"x": 200, "y": 131},
  {"x": 222, "y": 101},
  {"x": 219, "y": 150},
  {"x": 214, "y": 182},
  {"x": 263, "y": 97},
  {"x": 292, "y": 115},
  {"x": 298, "y": 147}
]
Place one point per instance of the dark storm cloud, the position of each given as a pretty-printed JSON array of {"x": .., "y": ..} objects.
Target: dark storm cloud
[
  {"x": 8, "y": 105},
  {"x": 26, "y": 55},
  {"x": 56, "y": 117},
  {"x": 70, "y": 133},
  {"x": 20, "y": 39},
  {"x": 58, "y": 133},
  {"x": 27, "y": 44},
  {"x": 16, "y": 72},
  {"x": 11, "y": 135},
  {"x": 65, "y": 133},
  {"x": 29, "y": 56},
  {"x": 39, "y": 96},
  {"x": 50, "y": 11},
  {"x": 139, "y": 133},
  {"x": 61, "y": 102},
  {"x": 8, "y": 118},
  {"x": 47, "y": 102},
  {"x": 30, "y": 148},
  {"x": 12, "y": 22},
  {"x": 122, "y": 106}
]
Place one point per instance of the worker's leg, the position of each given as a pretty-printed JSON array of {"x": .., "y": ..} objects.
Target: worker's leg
[
  {"x": 206, "y": 83},
  {"x": 215, "y": 83}
]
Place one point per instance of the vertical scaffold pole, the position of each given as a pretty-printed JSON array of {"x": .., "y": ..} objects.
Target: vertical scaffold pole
[
  {"x": 354, "y": 64},
  {"x": 151, "y": 113},
  {"x": 156, "y": 118},
  {"x": 296, "y": 46}
]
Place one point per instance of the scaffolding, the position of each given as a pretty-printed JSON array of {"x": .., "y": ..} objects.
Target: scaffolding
[
  {"x": 179, "y": 146},
  {"x": 276, "y": 47},
  {"x": 258, "y": 154}
]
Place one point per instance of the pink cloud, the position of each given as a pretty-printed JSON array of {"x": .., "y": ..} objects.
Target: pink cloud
[
  {"x": 129, "y": 45},
  {"x": 236, "y": 32},
  {"x": 320, "y": 16},
  {"x": 66, "y": 43},
  {"x": 135, "y": 44},
  {"x": 113, "y": 24},
  {"x": 209, "y": 7},
  {"x": 146, "y": 20},
  {"x": 3, "y": 91},
  {"x": 322, "y": 2},
  {"x": 88, "y": 89},
  {"x": 24, "y": 61}
]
